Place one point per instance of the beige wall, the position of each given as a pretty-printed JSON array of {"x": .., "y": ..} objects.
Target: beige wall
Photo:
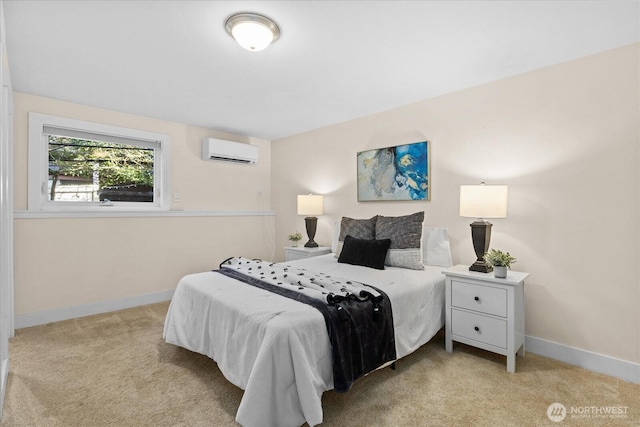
[
  {"x": 566, "y": 141},
  {"x": 66, "y": 262}
]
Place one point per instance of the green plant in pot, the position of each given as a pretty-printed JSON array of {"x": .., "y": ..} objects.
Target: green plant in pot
[
  {"x": 500, "y": 261},
  {"x": 295, "y": 238}
]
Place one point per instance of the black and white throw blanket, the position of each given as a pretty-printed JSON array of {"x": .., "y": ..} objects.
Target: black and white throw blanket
[{"x": 358, "y": 317}]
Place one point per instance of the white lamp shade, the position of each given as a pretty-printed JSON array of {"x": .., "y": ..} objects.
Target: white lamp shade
[
  {"x": 483, "y": 201},
  {"x": 310, "y": 205}
]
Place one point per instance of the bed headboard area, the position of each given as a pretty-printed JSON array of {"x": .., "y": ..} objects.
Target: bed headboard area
[{"x": 413, "y": 243}]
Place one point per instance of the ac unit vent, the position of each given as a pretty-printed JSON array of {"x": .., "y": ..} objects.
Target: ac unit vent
[
  {"x": 227, "y": 159},
  {"x": 229, "y": 151}
]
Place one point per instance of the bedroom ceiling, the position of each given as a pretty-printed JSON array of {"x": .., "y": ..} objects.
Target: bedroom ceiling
[{"x": 335, "y": 60}]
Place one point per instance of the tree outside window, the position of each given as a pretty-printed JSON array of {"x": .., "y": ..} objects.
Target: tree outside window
[{"x": 86, "y": 170}]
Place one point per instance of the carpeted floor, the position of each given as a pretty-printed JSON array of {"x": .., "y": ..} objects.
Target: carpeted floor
[{"x": 115, "y": 370}]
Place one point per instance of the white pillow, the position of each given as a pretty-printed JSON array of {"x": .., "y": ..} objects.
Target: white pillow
[
  {"x": 336, "y": 236},
  {"x": 436, "y": 247}
]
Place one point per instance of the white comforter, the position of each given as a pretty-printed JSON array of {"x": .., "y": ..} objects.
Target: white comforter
[{"x": 277, "y": 349}]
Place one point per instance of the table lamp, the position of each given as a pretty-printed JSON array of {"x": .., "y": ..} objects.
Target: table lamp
[
  {"x": 480, "y": 202},
  {"x": 310, "y": 205}
]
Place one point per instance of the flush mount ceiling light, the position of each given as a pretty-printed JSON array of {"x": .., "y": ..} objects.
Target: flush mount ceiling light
[{"x": 252, "y": 31}]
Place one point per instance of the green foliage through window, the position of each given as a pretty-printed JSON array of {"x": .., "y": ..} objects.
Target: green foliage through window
[{"x": 86, "y": 170}]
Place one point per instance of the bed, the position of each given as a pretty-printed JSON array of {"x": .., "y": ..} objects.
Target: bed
[{"x": 276, "y": 349}]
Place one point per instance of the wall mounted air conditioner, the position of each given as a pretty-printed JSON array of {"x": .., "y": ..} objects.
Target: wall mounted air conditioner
[{"x": 229, "y": 151}]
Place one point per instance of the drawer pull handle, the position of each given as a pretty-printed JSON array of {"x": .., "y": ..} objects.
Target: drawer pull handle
[
  {"x": 477, "y": 329},
  {"x": 476, "y": 298}
]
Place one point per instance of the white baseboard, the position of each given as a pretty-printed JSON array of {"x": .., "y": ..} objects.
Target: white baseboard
[
  {"x": 4, "y": 368},
  {"x": 608, "y": 365},
  {"x": 48, "y": 316}
]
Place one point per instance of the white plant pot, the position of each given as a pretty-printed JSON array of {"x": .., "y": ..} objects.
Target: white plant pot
[{"x": 500, "y": 272}]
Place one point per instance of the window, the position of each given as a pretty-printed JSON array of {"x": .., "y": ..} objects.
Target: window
[{"x": 76, "y": 165}]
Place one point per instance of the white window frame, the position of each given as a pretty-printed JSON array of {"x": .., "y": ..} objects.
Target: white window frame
[{"x": 38, "y": 200}]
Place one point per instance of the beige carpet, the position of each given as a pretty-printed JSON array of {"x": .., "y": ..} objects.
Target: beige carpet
[{"x": 115, "y": 370}]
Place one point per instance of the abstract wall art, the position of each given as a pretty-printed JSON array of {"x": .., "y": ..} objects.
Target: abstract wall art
[{"x": 394, "y": 173}]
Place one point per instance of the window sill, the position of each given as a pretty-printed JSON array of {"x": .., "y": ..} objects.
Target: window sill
[{"x": 136, "y": 214}]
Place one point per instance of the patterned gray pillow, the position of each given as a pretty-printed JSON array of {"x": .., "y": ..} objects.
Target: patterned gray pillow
[
  {"x": 405, "y": 233},
  {"x": 357, "y": 228}
]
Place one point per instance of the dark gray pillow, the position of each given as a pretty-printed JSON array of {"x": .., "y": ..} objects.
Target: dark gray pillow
[
  {"x": 405, "y": 233},
  {"x": 357, "y": 228},
  {"x": 364, "y": 252}
]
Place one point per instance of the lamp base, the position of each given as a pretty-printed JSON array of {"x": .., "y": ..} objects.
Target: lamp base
[
  {"x": 311, "y": 223},
  {"x": 481, "y": 266},
  {"x": 481, "y": 236}
]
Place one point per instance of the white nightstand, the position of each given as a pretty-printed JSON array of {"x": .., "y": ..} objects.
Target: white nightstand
[
  {"x": 485, "y": 312},
  {"x": 293, "y": 253}
]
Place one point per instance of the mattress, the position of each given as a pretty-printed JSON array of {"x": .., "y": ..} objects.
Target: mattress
[{"x": 277, "y": 349}]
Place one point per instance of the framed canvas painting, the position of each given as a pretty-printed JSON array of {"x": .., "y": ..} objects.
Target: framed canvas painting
[{"x": 394, "y": 173}]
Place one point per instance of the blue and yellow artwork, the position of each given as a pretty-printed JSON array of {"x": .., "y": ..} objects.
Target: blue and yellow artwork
[{"x": 394, "y": 173}]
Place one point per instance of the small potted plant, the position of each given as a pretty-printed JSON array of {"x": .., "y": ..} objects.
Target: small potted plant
[
  {"x": 500, "y": 261},
  {"x": 295, "y": 238}
]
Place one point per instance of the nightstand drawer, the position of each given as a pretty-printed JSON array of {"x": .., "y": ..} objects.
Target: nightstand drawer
[
  {"x": 293, "y": 253},
  {"x": 292, "y": 256},
  {"x": 481, "y": 328},
  {"x": 484, "y": 299}
]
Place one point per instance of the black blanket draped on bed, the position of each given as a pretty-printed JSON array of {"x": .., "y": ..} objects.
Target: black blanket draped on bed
[{"x": 360, "y": 331}]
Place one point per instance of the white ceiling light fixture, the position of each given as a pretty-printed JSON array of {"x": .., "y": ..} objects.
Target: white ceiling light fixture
[{"x": 252, "y": 31}]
